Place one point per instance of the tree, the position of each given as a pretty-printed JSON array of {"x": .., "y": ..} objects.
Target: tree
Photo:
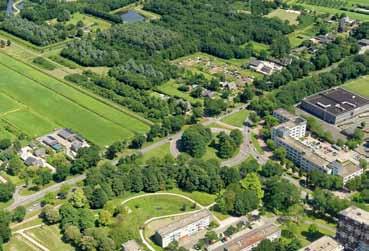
[
  {"x": 49, "y": 199},
  {"x": 5, "y": 232},
  {"x": 214, "y": 106},
  {"x": 195, "y": 139},
  {"x": 72, "y": 234},
  {"x": 19, "y": 214},
  {"x": 113, "y": 149},
  {"x": 245, "y": 202},
  {"x": 211, "y": 236},
  {"x": 271, "y": 169},
  {"x": 247, "y": 94},
  {"x": 280, "y": 194},
  {"x": 14, "y": 166},
  {"x": 138, "y": 141},
  {"x": 105, "y": 218},
  {"x": 252, "y": 182},
  {"x": 98, "y": 198},
  {"x": 6, "y": 191},
  {"x": 43, "y": 177},
  {"x": 77, "y": 198},
  {"x": 280, "y": 153},
  {"x": 61, "y": 173},
  {"x": 50, "y": 215},
  {"x": 86, "y": 218},
  {"x": 236, "y": 136},
  {"x": 225, "y": 146},
  {"x": 280, "y": 47},
  {"x": 5, "y": 144}
]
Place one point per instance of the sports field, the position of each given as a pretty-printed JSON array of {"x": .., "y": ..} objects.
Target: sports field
[
  {"x": 359, "y": 86},
  {"x": 40, "y": 103}
]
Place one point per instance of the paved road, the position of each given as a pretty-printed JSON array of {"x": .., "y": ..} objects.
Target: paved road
[{"x": 20, "y": 200}]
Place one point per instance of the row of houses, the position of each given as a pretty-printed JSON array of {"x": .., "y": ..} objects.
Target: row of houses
[{"x": 310, "y": 154}]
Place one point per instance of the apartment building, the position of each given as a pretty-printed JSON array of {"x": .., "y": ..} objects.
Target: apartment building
[
  {"x": 353, "y": 229},
  {"x": 310, "y": 154},
  {"x": 187, "y": 226}
]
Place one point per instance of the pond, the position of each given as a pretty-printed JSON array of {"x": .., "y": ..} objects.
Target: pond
[{"x": 131, "y": 17}]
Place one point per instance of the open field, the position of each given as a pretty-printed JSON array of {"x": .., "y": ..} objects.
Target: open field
[
  {"x": 360, "y": 86},
  {"x": 50, "y": 237},
  {"x": 65, "y": 106},
  {"x": 7, "y": 104},
  {"x": 171, "y": 88},
  {"x": 90, "y": 21},
  {"x": 285, "y": 16},
  {"x": 202, "y": 198},
  {"x": 18, "y": 243},
  {"x": 144, "y": 208},
  {"x": 236, "y": 119},
  {"x": 159, "y": 152}
]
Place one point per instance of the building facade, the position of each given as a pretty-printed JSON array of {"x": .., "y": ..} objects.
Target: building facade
[
  {"x": 353, "y": 229},
  {"x": 250, "y": 239},
  {"x": 187, "y": 226}
]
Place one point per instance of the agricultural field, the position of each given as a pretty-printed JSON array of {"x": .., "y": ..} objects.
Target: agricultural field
[
  {"x": 284, "y": 15},
  {"x": 51, "y": 103},
  {"x": 359, "y": 86},
  {"x": 333, "y": 7}
]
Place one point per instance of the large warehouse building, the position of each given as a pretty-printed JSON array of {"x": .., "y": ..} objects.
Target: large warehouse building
[{"x": 335, "y": 105}]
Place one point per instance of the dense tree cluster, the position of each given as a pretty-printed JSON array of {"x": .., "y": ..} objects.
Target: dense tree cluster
[
  {"x": 195, "y": 139},
  {"x": 38, "y": 34},
  {"x": 139, "y": 101},
  {"x": 300, "y": 68},
  {"x": 326, "y": 203}
]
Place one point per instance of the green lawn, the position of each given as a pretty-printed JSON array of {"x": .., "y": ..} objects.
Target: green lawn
[
  {"x": 90, "y": 21},
  {"x": 237, "y": 119},
  {"x": 284, "y": 16},
  {"x": 158, "y": 152},
  {"x": 17, "y": 243},
  {"x": 145, "y": 208},
  {"x": 30, "y": 123},
  {"x": 50, "y": 237},
  {"x": 204, "y": 199},
  {"x": 65, "y": 106},
  {"x": 360, "y": 86},
  {"x": 171, "y": 88}
]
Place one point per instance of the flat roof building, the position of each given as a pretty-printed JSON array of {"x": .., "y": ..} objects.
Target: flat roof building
[
  {"x": 187, "y": 226},
  {"x": 310, "y": 154},
  {"x": 324, "y": 243},
  {"x": 353, "y": 229},
  {"x": 250, "y": 239},
  {"x": 335, "y": 105}
]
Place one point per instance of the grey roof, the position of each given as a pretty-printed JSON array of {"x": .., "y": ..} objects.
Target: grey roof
[
  {"x": 356, "y": 214},
  {"x": 324, "y": 243},
  {"x": 65, "y": 133},
  {"x": 31, "y": 161},
  {"x": 254, "y": 62},
  {"x": 337, "y": 101},
  {"x": 76, "y": 145},
  {"x": 192, "y": 218},
  {"x": 364, "y": 42},
  {"x": 50, "y": 141}
]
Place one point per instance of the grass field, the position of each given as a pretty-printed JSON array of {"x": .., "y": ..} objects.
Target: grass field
[
  {"x": 50, "y": 237},
  {"x": 17, "y": 243},
  {"x": 236, "y": 119},
  {"x": 90, "y": 21},
  {"x": 285, "y": 16},
  {"x": 360, "y": 86},
  {"x": 142, "y": 209},
  {"x": 159, "y": 152},
  {"x": 63, "y": 105},
  {"x": 204, "y": 199},
  {"x": 171, "y": 88}
]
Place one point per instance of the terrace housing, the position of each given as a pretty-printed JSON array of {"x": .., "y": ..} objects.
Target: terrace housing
[
  {"x": 311, "y": 154},
  {"x": 249, "y": 239}
]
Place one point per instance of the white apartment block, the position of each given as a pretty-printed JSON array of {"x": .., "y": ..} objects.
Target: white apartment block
[
  {"x": 324, "y": 243},
  {"x": 187, "y": 226},
  {"x": 308, "y": 153}
]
